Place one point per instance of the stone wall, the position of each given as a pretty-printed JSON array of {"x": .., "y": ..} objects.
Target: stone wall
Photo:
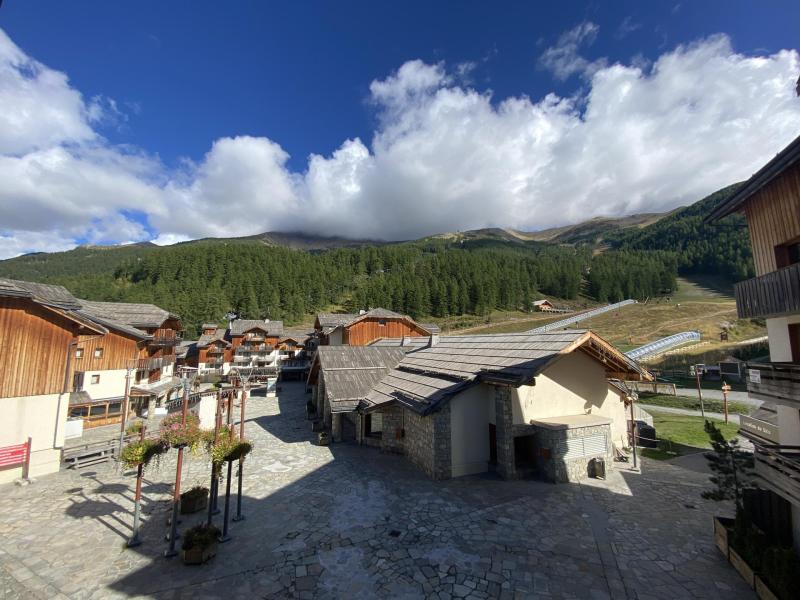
[
  {"x": 504, "y": 429},
  {"x": 418, "y": 441},
  {"x": 556, "y": 468},
  {"x": 442, "y": 441},
  {"x": 391, "y": 441}
]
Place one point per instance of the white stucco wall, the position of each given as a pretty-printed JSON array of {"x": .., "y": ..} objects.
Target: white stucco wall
[
  {"x": 43, "y": 419},
  {"x": 469, "y": 424},
  {"x": 574, "y": 385},
  {"x": 111, "y": 385}
]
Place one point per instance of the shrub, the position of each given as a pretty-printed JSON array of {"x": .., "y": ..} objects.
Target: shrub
[
  {"x": 134, "y": 428},
  {"x": 200, "y": 536},
  {"x": 194, "y": 493},
  {"x": 228, "y": 449}
]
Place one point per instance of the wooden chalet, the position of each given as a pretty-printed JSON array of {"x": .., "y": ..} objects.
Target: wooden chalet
[
  {"x": 254, "y": 344},
  {"x": 770, "y": 200},
  {"x": 334, "y": 329},
  {"x": 40, "y": 327},
  {"x": 214, "y": 350}
]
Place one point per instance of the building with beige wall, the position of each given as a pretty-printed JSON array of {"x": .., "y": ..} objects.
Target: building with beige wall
[{"x": 541, "y": 405}]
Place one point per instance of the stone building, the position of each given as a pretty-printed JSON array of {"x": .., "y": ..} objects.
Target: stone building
[{"x": 541, "y": 404}]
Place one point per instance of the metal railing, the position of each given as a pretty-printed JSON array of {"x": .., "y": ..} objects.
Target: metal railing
[
  {"x": 166, "y": 338},
  {"x": 581, "y": 316}
]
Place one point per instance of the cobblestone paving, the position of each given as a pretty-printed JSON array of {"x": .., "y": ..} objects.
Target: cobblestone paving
[{"x": 349, "y": 522}]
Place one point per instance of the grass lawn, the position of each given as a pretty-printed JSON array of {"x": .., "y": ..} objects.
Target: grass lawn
[
  {"x": 692, "y": 403},
  {"x": 678, "y": 435}
]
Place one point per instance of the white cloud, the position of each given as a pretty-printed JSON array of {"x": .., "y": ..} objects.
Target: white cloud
[
  {"x": 564, "y": 59},
  {"x": 444, "y": 156}
]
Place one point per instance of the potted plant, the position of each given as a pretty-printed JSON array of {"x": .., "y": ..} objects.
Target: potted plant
[
  {"x": 229, "y": 449},
  {"x": 142, "y": 452},
  {"x": 200, "y": 544},
  {"x": 194, "y": 500},
  {"x": 323, "y": 438},
  {"x": 134, "y": 428}
]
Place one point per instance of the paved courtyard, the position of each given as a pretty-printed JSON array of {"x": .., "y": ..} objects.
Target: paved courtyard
[{"x": 349, "y": 522}]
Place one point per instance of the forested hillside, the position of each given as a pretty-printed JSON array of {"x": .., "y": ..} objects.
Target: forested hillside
[
  {"x": 721, "y": 248},
  {"x": 474, "y": 272}
]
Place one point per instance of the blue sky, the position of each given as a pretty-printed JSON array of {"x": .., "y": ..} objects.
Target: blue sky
[{"x": 157, "y": 96}]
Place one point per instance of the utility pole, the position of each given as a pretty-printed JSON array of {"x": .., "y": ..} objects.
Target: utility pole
[
  {"x": 699, "y": 391},
  {"x": 725, "y": 389}
]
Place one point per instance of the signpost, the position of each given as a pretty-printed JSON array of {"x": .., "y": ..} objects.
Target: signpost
[
  {"x": 725, "y": 389},
  {"x": 699, "y": 391}
]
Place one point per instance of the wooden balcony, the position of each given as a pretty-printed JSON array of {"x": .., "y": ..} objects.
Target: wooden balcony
[
  {"x": 772, "y": 295},
  {"x": 148, "y": 364},
  {"x": 774, "y": 382},
  {"x": 778, "y": 467},
  {"x": 166, "y": 338}
]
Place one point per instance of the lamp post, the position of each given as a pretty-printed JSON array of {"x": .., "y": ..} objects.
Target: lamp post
[
  {"x": 212, "y": 501},
  {"x": 125, "y": 406},
  {"x": 244, "y": 380},
  {"x": 699, "y": 391},
  {"x": 725, "y": 389},
  {"x": 187, "y": 377},
  {"x": 633, "y": 398}
]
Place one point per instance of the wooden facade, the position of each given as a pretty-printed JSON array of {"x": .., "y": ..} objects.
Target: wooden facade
[
  {"x": 773, "y": 217},
  {"x": 366, "y": 330},
  {"x": 117, "y": 352},
  {"x": 34, "y": 345}
]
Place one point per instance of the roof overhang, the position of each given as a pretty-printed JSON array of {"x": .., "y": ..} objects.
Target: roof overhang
[{"x": 786, "y": 158}]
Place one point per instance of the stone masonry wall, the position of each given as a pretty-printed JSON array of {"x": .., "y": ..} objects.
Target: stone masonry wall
[
  {"x": 419, "y": 441},
  {"x": 392, "y": 424},
  {"x": 559, "y": 470},
  {"x": 442, "y": 441},
  {"x": 504, "y": 429}
]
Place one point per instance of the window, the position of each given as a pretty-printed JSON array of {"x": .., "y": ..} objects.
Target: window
[
  {"x": 787, "y": 254},
  {"x": 78, "y": 352},
  {"x": 98, "y": 353},
  {"x": 382, "y": 322},
  {"x": 95, "y": 379}
]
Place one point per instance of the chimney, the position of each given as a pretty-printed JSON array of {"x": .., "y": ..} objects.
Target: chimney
[
  {"x": 362, "y": 312},
  {"x": 434, "y": 340},
  {"x": 266, "y": 320}
]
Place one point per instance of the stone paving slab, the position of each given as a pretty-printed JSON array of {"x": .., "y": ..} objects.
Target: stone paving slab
[{"x": 348, "y": 522}]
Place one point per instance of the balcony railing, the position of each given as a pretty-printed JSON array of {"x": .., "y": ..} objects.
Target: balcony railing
[
  {"x": 148, "y": 364},
  {"x": 166, "y": 338},
  {"x": 779, "y": 469},
  {"x": 771, "y": 295},
  {"x": 214, "y": 351},
  {"x": 254, "y": 337},
  {"x": 774, "y": 382}
]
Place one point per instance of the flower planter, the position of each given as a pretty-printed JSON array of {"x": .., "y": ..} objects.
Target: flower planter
[
  {"x": 740, "y": 565},
  {"x": 763, "y": 591},
  {"x": 722, "y": 530},
  {"x": 198, "y": 555},
  {"x": 323, "y": 438},
  {"x": 194, "y": 503}
]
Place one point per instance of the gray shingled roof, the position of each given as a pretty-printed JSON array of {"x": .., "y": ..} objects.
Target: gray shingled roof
[
  {"x": 208, "y": 326},
  {"x": 334, "y": 320},
  {"x": 133, "y": 314},
  {"x": 430, "y": 327},
  {"x": 240, "y": 326},
  {"x": 408, "y": 343},
  {"x": 205, "y": 339},
  {"x": 350, "y": 372},
  {"x": 54, "y": 295},
  {"x": 427, "y": 376}
]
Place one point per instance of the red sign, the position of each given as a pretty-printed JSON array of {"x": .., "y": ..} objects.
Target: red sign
[{"x": 16, "y": 455}]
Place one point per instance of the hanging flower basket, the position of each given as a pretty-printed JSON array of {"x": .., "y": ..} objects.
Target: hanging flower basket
[
  {"x": 142, "y": 452},
  {"x": 177, "y": 434},
  {"x": 229, "y": 449}
]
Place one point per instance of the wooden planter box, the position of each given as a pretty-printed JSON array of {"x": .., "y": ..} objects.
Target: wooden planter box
[
  {"x": 198, "y": 556},
  {"x": 744, "y": 569},
  {"x": 193, "y": 504},
  {"x": 763, "y": 591},
  {"x": 722, "y": 529}
]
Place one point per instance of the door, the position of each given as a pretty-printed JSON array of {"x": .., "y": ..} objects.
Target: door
[{"x": 794, "y": 341}]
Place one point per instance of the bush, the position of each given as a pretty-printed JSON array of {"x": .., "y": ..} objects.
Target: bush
[
  {"x": 134, "y": 428},
  {"x": 196, "y": 492},
  {"x": 200, "y": 536},
  {"x": 141, "y": 452},
  {"x": 228, "y": 449}
]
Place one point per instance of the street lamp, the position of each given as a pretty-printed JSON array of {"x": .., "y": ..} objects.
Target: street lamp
[
  {"x": 244, "y": 379},
  {"x": 188, "y": 375}
]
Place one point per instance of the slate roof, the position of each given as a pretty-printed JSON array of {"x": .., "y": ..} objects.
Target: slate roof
[
  {"x": 350, "y": 372},
  {"x": 205, "y": 339},
  {"x": 240, "y": 326},
  {"x": 429, "y": 375},
  {"x": 408, "y": 343},
  {"x": 129, "y": 313},
  {"x": 54, "y": 295},
  {"x": 334, "y": 320},
  {"x": 430, "y": 327}
]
